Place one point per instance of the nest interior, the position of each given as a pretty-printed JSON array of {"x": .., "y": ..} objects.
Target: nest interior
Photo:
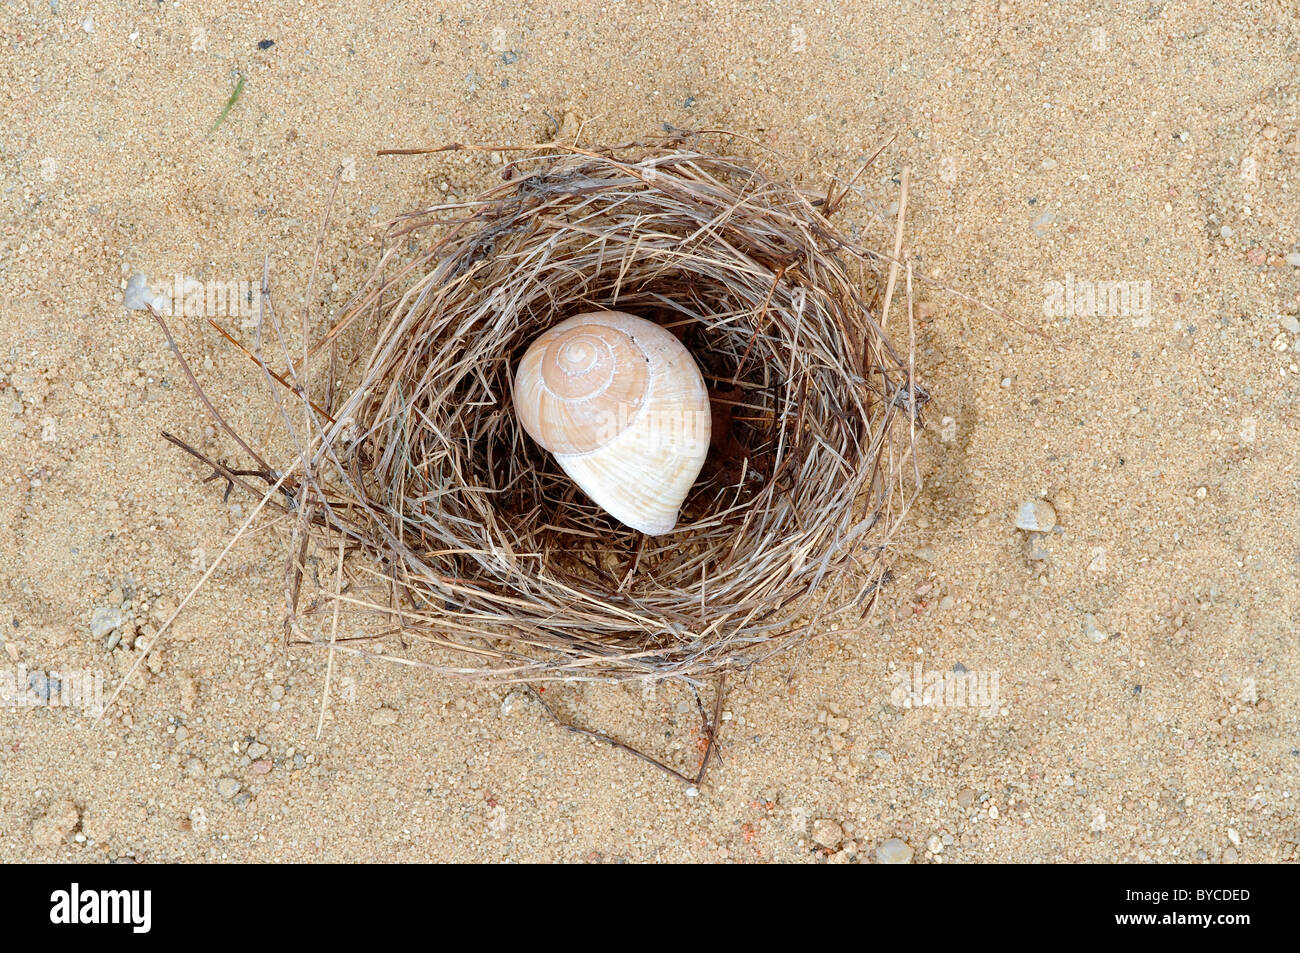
[{"x": 487, "y": 549}]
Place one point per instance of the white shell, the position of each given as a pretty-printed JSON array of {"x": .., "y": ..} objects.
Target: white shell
[{"x": 622, "y": 406}]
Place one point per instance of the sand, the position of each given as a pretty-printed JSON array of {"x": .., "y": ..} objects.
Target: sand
[{"x": 1145, "y": 669}]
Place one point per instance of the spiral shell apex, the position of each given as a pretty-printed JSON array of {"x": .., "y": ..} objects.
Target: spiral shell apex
[{"x": 622, "y": 406}]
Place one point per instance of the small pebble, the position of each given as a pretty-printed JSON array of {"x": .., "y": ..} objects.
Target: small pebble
[
  {"x": 256, "y": 750},
  {"x": 384, "y": 717},
  {"x": 1290, "y": 323},
  {"x": 1293, "y": 259},
  {"x": 1036, "y": 516},
  {"x": 104, "y": 620},
  {"x": 894, "y": 851},
  {"x": 1092, "y": 631},
  {"x": 827, "y": 833},
  {"x": 139, "y": 296},
  {"x": 277, "y": 692},
  {"x": 228, "y": 787}
]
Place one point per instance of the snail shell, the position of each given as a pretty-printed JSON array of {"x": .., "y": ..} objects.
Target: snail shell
[{"x": 622, "y": 406}]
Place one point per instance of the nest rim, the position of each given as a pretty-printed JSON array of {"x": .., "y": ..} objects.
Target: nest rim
[{"x": 488, "y": 552}]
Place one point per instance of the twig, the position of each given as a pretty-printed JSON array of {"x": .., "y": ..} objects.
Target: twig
[
  {"x": 709, "y": 729},
  {"x": 334, "y": 634},
  {"x": 158, "y": 636}
]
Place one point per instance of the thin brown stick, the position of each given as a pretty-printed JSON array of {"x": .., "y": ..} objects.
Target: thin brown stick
[{"x": 709, "y": 730}]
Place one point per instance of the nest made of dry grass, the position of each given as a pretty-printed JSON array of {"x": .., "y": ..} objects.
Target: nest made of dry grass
[{"x": 477, "y": 542}]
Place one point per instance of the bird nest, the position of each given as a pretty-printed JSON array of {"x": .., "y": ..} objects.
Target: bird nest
[{"x": 458, "y": 530}]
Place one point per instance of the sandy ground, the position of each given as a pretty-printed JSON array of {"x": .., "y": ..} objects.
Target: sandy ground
[{"x": 1145, "y": 651}]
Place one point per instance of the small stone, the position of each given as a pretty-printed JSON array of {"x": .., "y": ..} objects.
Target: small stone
[
  {"x": 1036, "y": 516},
  {"x": 162, "y": 609},
  {"x": 228, "y": 787},
  {"x": 966, "y": 798},
  {"x": 894, "y": 851},
  {"x": 277, "y": 692},
  {"x": 1230, "y": 855},
  {"x": 1290, "y": 323},
  {"x": 262, "y": 767},
  {"x": 256, "y": 750},
  {"x": 827, "y": 833},
  {"x": 946, "y": 604},
  {"x": 935, "y": 844},
  {"x": 384, "y": 717},
  {"x": 1234, "y": 837},
  {"x": 1293, "y": 259},
  {"x": 104, "y": 620},
  {"x": 194, "y": 768},
  {"x": 138, "y": 295},
  {"x": 1093, "y": 632}
]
